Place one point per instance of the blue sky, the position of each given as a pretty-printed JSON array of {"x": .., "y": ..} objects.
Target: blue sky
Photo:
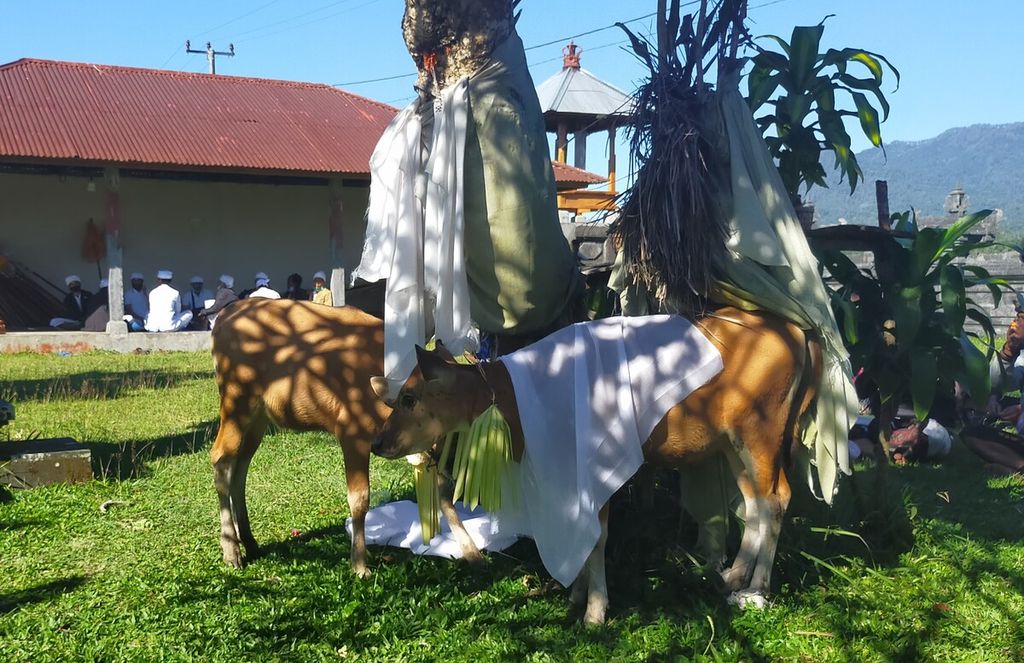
[{"x": 958, "y": 61}]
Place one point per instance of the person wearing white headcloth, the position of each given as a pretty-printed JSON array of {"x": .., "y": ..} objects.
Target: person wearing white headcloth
[
  {"x": 194, "y": 299},
  {"x": 225, "y": 296},
  {"x": 165, "y": 312},
  {"x": 321, "y": 293},
  {"x": 263, "y": 289},
  {"x": 76, "y": 305},
  {"x": 136, "y": 303}
]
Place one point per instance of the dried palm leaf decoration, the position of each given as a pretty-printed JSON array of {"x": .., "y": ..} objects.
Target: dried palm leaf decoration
[{"x": 671, "y": 223}]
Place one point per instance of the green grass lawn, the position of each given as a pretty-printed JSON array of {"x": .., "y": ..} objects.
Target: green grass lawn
[{"x": 145, "y": 580}]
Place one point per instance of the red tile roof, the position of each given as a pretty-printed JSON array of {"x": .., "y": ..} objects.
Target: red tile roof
[
  {"x": 566, "y": 175},
  {"x": 146, "y": 117},
  {"x": 69, "y": 111}
]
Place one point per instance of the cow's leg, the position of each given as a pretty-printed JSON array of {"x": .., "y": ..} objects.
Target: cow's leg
[
  {"x": 764, "y": 488},
  {"x": 597, "y": 587},
  {"x": 705, "y": 495},
  {"x": 776, "y": 502},
  {"x": 737, "y": 576},
  {"x": 470, "y": 552},
  {"x": 578, "y": 593},
  {"x": 224, "y": 455},
  {"x": 357, "y": 479},
  {"x": 250, "y": 443}
]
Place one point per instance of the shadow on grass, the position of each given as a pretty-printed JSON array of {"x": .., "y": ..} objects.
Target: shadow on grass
[
  {"x": 94, "y": 385},
  {"x": 42, "y": 592},
  {"x": 128, "y": 460},
  {"x": 653, "y": 586}
]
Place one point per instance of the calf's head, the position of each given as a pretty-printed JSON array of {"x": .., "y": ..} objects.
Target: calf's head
[{"x": 439, "y": 397}]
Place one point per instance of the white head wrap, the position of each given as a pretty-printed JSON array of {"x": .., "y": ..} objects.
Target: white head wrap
[
  {"x": 68, "y": 280},
  {"x": 229, "y": 281},
  {"x": 165, "y": 274},
  {"x": 196, "y": 279},
  {"x": 137, "y": 275},
  {"x": 320, "y": 275}
]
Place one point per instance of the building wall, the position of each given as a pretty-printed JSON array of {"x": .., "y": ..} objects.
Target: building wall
[{"x": 204, "y": 228}]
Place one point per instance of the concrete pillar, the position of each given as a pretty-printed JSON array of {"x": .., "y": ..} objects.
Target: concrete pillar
[
  {"x": 580, "y": 149},
  {"x": 334, "y": 225},
  {"x": 112, "y": 232}
]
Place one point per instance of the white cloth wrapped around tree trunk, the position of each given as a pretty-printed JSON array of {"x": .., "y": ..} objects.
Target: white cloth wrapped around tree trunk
[
  {"x": 414, "y": 233},
  {"x": 463, "y": 223}
]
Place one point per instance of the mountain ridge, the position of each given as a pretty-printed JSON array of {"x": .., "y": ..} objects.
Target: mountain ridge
[{"x": 986, "y": 160}]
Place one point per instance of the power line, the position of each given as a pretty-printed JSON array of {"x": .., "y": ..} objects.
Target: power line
[
  {"x": 556, "y": 41},
  {"x": 303, "y": 24},
  {"x": 239, "y": 18},
  {"x": 551, "y": 43}
]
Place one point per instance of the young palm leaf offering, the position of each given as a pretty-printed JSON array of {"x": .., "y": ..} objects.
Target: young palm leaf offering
[
  {"x": 482, "y": 461},
  {"x": 672, "y": 224}
]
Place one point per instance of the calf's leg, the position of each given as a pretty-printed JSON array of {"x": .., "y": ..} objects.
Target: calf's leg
[
  {"x": 470, "y": 552},
  {"x": 357, "y": 477},
  {"x": 224, "y": 455},
  {"x": 250, "y": 443}
]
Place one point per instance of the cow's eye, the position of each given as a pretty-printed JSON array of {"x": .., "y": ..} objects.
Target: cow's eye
[{"x": 407, "y": 401}]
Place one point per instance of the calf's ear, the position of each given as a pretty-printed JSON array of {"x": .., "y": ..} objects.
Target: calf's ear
[{"x": 382, "y": 388}]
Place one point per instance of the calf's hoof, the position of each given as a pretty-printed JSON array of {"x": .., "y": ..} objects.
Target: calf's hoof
[
  {"x": 473, "y": 556},
  {"x": 748, "y": 598},
  {"x": 233, "y": 558}
]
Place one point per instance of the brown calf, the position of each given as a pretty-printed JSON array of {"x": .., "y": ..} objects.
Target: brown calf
[
  {"x": 302, "y": 366},
  {"x": 749, "y": 412}
]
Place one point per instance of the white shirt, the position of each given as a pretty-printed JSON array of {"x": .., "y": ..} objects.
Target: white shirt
[
  {"x": 139, "y": 302},
  {"x": 164, "y": 304},
  {"x": 193, "y": 300},
  {"x": 264, "y": 292}
]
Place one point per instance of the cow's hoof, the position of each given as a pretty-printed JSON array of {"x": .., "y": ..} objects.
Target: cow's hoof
[
  {"x": 748, "y": 599},
  {"x": 735, "y": 578},
  {"x": 595, "y": 614},
  {"x": 362, "y": 571}
]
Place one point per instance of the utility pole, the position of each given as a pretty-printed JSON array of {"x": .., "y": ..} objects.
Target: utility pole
[{"x": 211, "y": 55}]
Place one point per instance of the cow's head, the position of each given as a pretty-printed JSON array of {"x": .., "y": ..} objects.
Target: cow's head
[{"x": 439, "y": 397}]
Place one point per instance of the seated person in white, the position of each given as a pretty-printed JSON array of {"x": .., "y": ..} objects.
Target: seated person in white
[
  {"x": 195, "y": 298},
  {"x": 136, "y": 303},
  {"x": 263, "y": 288},
  {"x": 165, "y": 312}
]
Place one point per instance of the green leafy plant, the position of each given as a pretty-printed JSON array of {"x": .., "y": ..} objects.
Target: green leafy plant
[
  {"x": 803, "y": 88},
  {"x": 903, "y": 322}
]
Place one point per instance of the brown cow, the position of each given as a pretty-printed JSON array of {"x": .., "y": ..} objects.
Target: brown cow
[
  {"x": 302, "y": 366},
  {"x": 749, "y": 412}
]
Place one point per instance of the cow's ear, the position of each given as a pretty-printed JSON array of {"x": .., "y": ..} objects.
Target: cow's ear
[
  {"x": 434, "y": 367},
  {"x": 442, "y": 351},
  {"x": 382, "y": 388}
]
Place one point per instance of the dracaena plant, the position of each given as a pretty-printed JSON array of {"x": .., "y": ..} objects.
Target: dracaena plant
[
  {"x": 903, "y": 321},
  {"x": 803, "y": 97}
]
